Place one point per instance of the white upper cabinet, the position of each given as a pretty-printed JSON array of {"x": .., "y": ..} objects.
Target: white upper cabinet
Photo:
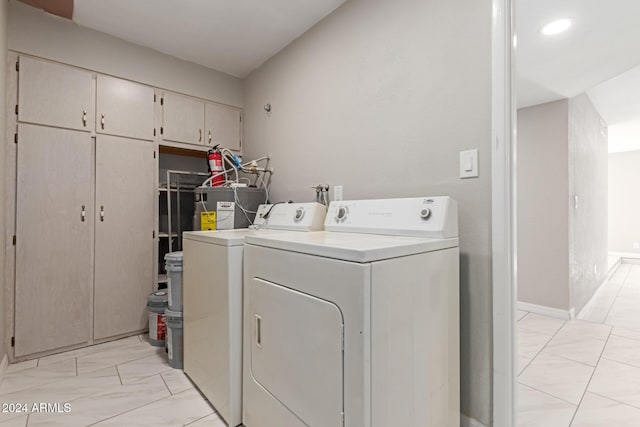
[
  {"x": 182, "y": 119},
  {"x": 224, "y": 126},
  {"x": 55, "y": 95},
  {"x": 124, "y": 108}
]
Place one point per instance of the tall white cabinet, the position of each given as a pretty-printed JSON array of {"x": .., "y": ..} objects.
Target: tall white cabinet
[
  {"x": 85, "y": 207},
  {"x": 54, "y": 239},
  {"x": 124, "y": 233}
]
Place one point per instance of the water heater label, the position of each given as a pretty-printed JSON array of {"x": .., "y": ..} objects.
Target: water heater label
[{"x": 207, "y": 221}]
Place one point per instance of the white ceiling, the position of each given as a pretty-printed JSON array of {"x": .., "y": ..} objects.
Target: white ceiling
[
  {"x": 233, "y": 36},
  {"x": 618, "y": 101},
  {"x": 602, "y": 44}
]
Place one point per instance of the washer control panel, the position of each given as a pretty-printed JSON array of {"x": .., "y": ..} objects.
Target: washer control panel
[
  {"x": 299, "y": 214},
  {"x": 262, "y": 215},
  {"x": 341, "y": 213},
  {"x": 435, "y": 217},
  {"x": 291, "y": 216}
]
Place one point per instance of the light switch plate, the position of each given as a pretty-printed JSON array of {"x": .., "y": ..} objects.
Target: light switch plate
[{"x": 469, "y": 164}]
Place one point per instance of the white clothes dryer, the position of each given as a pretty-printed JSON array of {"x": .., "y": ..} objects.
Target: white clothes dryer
[{"x": 357, "y": 325}]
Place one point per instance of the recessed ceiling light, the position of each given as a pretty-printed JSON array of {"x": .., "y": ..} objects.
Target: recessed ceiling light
[{"x": 556, "y": 27}]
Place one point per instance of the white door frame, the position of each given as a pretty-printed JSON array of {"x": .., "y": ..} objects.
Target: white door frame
[{"x": 503, "y": 234}]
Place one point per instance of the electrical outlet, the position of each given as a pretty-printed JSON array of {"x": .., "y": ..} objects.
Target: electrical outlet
[{"x": 636, "y": 245}]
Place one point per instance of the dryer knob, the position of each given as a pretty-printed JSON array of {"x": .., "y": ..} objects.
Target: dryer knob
[
  {"x": 299, "y": 215},
  {"x": 425, "y": 213},
  {"x": 341, "y": 215}
]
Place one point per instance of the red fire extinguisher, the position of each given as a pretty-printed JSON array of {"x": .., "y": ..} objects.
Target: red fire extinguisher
[{"x": 215, "y": 166}]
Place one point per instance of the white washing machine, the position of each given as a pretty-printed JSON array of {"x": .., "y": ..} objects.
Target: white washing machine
[
  {"x": 212, "y": 297},
  {"x": 357, "y": 325}
]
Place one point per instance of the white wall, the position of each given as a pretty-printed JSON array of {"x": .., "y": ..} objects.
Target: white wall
[
  {"x": 543, "y": 212},
  {"x": 3, "y": 124},
  {"x": 38, "y": 33},
  {"x": 381, "y": 96},
  {"x": 624, "y": 202},
  {"x": 562, "y": 250},
  {"x": 588, "y": 157}
]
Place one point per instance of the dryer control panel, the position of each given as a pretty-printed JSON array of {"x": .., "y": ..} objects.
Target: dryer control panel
[{"x": 434, "y": 217}]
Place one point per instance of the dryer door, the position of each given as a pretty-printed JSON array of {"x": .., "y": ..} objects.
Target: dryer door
[{"x": 296, "y": 351}]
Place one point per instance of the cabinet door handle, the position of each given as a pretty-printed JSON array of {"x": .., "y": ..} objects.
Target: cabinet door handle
[
  {"x": 209, "y": 137},
  {"x": 84, "y": 118},
  {"x": 101, "y": 213},
  {"x": 102, "y": 122},
  {"x": 258, "y": 330},
  {"x": 82, "y": 214},
  {"x": 199, "y": 135}
]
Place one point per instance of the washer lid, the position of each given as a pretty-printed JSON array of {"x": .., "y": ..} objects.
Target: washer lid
[
  {"x": 356, "y": 247},
  {"x": 230, "y": 237},
  {"x": 219, "y": 237}
]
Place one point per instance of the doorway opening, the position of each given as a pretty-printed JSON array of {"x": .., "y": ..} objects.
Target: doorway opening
[{"x": 578, "y": 270}]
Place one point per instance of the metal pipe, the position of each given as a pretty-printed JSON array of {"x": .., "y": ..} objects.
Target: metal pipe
[
  {"x": 179, "y": 234},
  {"x": 169, "y": 210}
]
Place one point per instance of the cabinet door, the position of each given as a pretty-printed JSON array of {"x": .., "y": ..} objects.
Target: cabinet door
[
  {"x": 124, "y": 108},
  {"x": 54, "y": 239},
  {"x": 55, "y": 95},
  {"x": 182, "y": 119},
  {"x": 223, "y": 125},
  {"x": 124, "y": 241}
]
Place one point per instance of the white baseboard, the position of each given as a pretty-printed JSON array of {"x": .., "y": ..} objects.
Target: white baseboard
[
  {"x": 587, "y": 307},
  {"x": 627, "y": 260},
  {"x": 547, "y": 311},
  {"x": 614, "y": 267},
  {"x": 469, "y": 422},
  {"x": 3, "y": 368}
]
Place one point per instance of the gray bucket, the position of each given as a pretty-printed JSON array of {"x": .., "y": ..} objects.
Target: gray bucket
[
  {"x": 156, "y": 304},
  {"x": 174, "y": 323},
  {"x": 173, "y": 265}
]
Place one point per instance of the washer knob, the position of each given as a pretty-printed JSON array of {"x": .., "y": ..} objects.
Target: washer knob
[
  {"x": 425, "y": 213},
  {"x": 299, "y": 215},
  {"x": 341, "y": 215}
]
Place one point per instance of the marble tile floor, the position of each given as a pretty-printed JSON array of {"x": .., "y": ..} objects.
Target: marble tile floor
[
  {"x": 571, "y": 373},
  {"x": 582, "y": 373},
  {"x": 124, "y": 383}
]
